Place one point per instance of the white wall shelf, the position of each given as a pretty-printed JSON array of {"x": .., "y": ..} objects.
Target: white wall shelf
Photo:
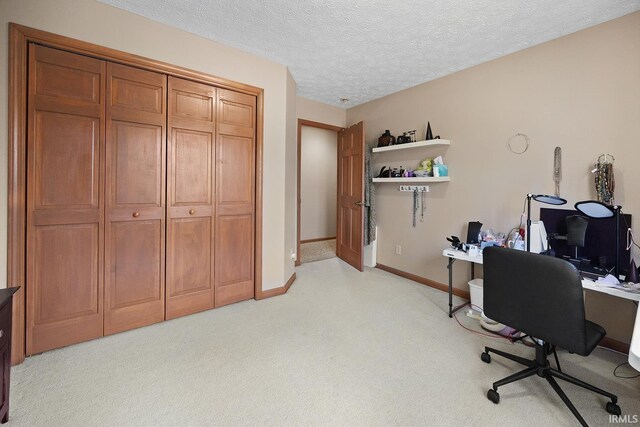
[
  {"x": 414, "y": 179},
  {"x": 416, "y": 144}
]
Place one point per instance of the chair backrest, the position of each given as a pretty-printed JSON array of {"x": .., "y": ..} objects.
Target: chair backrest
[{"x": 536, "y": 294}]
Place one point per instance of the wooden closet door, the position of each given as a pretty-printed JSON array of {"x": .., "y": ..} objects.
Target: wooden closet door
[
  {"x": 135, "y": 192},
  {"x": 190, "y": 184},
  {"x": 235, "y": 197},
  {"x": 65, "y": 207}
]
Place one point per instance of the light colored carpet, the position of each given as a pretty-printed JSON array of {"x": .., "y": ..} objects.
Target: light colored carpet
[
  {"x": 317, "y": 251},
  {"x": 340, "y": 348}
]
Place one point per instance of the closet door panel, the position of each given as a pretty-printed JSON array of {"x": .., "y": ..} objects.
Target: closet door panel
[
  {"x": 235, "y": 197},
  {"x": 235, "y": 175},
  {"x": 65, "y": 224},
  {"x": 190, "y": 181},
  {"x": 66, "y": 148},
  {"x": 136, "y": 152},
  {"x": 190, "y": 266},
  {"x": 234, "y": 261},
  {"x": 135, "y": 282},
  {"x": 135, "y": 217}
]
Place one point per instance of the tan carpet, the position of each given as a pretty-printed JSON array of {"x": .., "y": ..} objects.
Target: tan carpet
[
  {"x": 317, "y": 251},
  {"x": 341, "y": 348}
]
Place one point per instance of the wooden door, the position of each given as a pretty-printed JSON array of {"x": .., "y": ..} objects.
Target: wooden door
[
  {"x": 65, "y": 205},
  {"x": 349, "y": 237},
  {"x": 235, "y": 197},
  {"x": 135, "y": 193},
  {"x": 190, "y": 184}
]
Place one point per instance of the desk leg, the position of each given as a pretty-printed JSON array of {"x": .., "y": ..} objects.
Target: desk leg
[
  {"x": 450, "y": 267},
  {"x": 473, "y": 270}
]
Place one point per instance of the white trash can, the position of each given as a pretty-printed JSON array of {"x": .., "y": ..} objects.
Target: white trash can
[{"x": 475, "y": 289}]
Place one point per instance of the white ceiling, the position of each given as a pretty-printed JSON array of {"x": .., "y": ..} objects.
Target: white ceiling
[{"x": 366, "y": 49}]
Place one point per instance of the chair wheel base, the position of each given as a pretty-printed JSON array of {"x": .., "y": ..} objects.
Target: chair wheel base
[
  {"x": 486, "y": 357},
  {"x": 494, "y": 396},
  {"x": 613, "y": 408}
]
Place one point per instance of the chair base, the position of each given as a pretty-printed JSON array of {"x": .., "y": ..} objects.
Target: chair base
[{"x": 540, "y": 366}]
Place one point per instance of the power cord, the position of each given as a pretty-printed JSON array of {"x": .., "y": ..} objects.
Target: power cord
[{"x": 622, "y": 376}]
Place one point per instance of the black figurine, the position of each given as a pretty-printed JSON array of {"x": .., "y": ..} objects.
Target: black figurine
[{"x": 429, "y": 134}]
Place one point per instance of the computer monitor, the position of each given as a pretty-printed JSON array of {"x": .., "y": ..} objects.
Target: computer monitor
[{"x": 599, "y": 238}]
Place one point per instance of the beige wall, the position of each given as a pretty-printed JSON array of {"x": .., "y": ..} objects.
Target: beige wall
[
  {"x": 319, "y": 112},
  {"x": 103, "y": 25},
  {"x": 318, "y": 183},
  {"x": 580, "y": 92},
  {"x": 291, "y": 165}
]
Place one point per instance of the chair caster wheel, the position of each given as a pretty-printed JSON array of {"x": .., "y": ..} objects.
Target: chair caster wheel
[
  {"x": 486, "y": 357},
  {"x": 613, "y": 408},
  {"x": 493, "y": 396}
]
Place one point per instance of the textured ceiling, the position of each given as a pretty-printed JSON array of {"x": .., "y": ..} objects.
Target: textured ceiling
[{"x": 366, "y": 49}]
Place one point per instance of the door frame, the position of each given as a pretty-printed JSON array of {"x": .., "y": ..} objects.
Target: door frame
[
  {"x": 309, "y": 123},
  {"x": 19, "y": 38}
]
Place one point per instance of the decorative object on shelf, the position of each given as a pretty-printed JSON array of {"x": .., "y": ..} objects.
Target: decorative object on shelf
[
  {"x": 405, "y": 138},
  {"x": 604, "y": 179},
  {"x": 386, "y": 139},
  {"x": 425, "y": 168},
  {"x": 523, "y": 143},
  {"x": 428, "y": 134},
  {"x": 557, "y": 169},
  {"x": 385, "y": 172},
  {"x": 412, "y": 135},
  {"x": 439, "y": 168},
  {"x": 397, "y": 173}
]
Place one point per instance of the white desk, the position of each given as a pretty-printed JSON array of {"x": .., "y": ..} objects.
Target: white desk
[
  {"x": 634, "y": 352},
  {"x": 591, "y": 285}
]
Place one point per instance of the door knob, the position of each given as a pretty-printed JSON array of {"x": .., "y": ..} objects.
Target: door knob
[{"x": 360, "y": 203}]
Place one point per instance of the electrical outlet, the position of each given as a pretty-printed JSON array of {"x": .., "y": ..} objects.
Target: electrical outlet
[
  {"x": 398, "y": 250},
  {"x": 293, "y": 255}
]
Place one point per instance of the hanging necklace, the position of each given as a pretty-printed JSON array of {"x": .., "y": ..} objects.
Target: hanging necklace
[{"x": 557, "y": 168}]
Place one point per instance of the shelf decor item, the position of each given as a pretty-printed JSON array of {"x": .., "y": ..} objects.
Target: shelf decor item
[
  {"x": 428, "y": 134},
  {"x": 386, "y": 139}
]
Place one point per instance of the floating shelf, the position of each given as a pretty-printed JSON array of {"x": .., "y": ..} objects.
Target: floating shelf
[
  {"x": 412, "y": 145},
  {"x": 415, "y": 179}
]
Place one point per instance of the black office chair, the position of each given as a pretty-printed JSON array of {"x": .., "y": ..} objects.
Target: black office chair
[{"x": 542, "y": 297}]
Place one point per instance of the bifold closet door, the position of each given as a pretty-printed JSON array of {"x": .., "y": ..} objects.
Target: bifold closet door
[
  {"x": 190, "y": 185},
  {"x": 65, "y": 204},
  {"x": 235, "y": 197},
  {"x": 135, "y": 195}
]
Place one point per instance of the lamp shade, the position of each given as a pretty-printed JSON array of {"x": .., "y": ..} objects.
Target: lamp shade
[
  {"x": 550, "y": 200},
  {"x": 595, "y": 209}
]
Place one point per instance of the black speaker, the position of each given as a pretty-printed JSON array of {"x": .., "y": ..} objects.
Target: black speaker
[{"x": 473, "y": 231}]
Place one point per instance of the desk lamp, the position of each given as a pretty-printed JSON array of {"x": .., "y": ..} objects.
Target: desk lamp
[
  {"x": 595, "y": 209},
  {"x": 542, "y": 198}
]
